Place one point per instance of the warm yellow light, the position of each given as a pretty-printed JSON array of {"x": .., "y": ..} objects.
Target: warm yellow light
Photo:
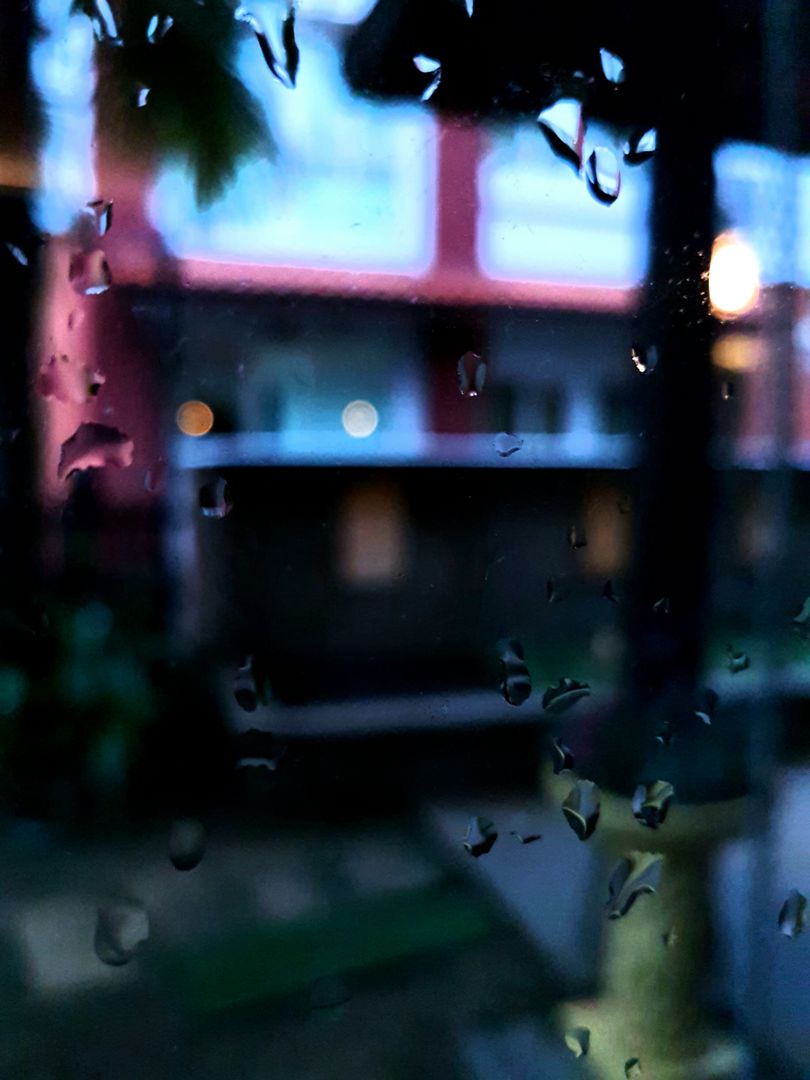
[
  {"x": 360, "y": 419},
  {"x": 733, "y": 276},
  {"x": 195, "y": 418}
]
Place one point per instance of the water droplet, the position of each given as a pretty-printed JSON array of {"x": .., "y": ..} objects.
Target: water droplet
[
  {"x": 727, "y": 390},
  {"x": 561, "y": 757},
  {"x": 801, "y": 622},
  {"x": 292, "y": 53},
  {"x": 469, "y": 6},
  {"x": 241, "y": 14},
  {"x": 260, "y": 751},
  {"x": 141, "y": 96},
  {"x": 250, "y": 686},
  {"x": 651, "y": 803},
  {"x": 557, "y": 590},
  {"x": 514, "y": 680},
  {"x": 737, "y": 661},
  {"x": 480, "y": 836},
  {"x": 427, "y": 65},
  {"x": 565, "y": 693},
  {"x": 670, "y": 937},
  {"x": 329, "y": 992},
  {"x": 92, "y": 446},
  {"x": 708, "y": 703},
  {"x": 472, "y": 374},
  {"x": 581, "y": 807},
  {"x": 578, "y": 1040},
  {"x": 640, "y": 147},
  {"x": 576, "y": 538},
  {"x": 602, "y": 175},
  {"x": 563, "y": 128},
  {"x": 609, "y": 593},
  {"x": 75, "y": 319},
  {"x": 662, "y": 606},
  {"x": 121, "y": 927},
  {"x": 154, "y": 479},
  {"x": 791, "y": 915},
  {"x": 103, "y": 214},
  {"x": 645, "y": 358},
  {"x": 103, "y": 22},
  {"x": 506, "y": 445},
  {"x": 158, "y": 27},
  {"x": 525, "y": 827},
  {"x": 186, "y": 843},
  {"x": 17, "y": 253},
  {"x": 215, "y": 499},
  {"x": 636, "y": 873},
  {"x": 525, "y": 838},
  {"x": 89, "y": 273},
  {"x": 632, "y": 1067},
  {"x": 612, "y": 66},
  {"x": 68, "y": 382}
]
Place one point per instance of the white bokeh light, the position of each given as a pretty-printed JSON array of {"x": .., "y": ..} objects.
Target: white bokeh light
[
  {"x": 360, "y": 419},
  {"x": 733, "y": 275}
]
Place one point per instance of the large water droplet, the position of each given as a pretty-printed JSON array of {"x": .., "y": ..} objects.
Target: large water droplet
[
  {"x": 186, "y": 843},
  {"x": 737, "y": 661},
  {"x": 68, "y": 382},
  {"x": 563, "y": 128},
  {"x": 792, "y": 914},
  {"x": 602, "y": 175},
  {"x": 103, "y": 215},
  {"x": 158, "y": 27},
  {"x": 506, "y": 444},
  {"x": 578, "y": 1040},
  {"x": 637, "y": 873},
  {"x": 632, "y": 1067},
  {"x": 644, "y": 357},
  {"x": 640, "y": 147},
  {"x": 651, "y": 803},
  {"x": 271, "y": 56},
  {"x": 480, "y": 836},
  {"x": 121, "y": 927},
  {"x": 563, "y": 694},
  {"x": 581, "y": 807},
  {"x": 103, "y": 22},
  {"x": 92, "y": 446},
  {"x": 707, "y": 705},
  {"x": 427, "y": 65},
  {"x": 514, "y": 680},
  {"x": 562, "y": 759},
  {"x": 89, "y": 273},
  {"x": 612, "y": 66},
  {"x": 215, "y": 499},
  {"x": 472, "y": 374}
]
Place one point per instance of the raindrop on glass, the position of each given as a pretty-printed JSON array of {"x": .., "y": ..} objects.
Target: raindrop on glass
[
  {"x": 557, "y": 590},
  {"x": 427, "y": 65},
  {"x": 727, "y": 390},
  {"x": 645, "y": 358},
  {"x": 17, "y": 253},
  {"x": 469, "y": 6},
  {"x": 514, "y": 680},
  {"x": 651, "y": 803},
  {"x": 103, "y": 214},
  {"x": 791, "y": 915},
  {"x": 525, "y": 838},
  {"x": 472, "y": 374},
  {"x": 662, "y": 606},
  {"x": 609, "y": 592},
  {"x": 248, "y": 686},
  {"x": 186, "y": 843},
  {"x": 612, "y": 66},
  {"x": 158, "y": 27},
  {"x": 121, "y": 927},
  {"x": 215, "y": 499},
  {"x": 329, "y": 992},
  {"x": 563, "y": 128},
  {"x": 637, "y": 873},
  {"x": 525, "y": 827},
  {"x": 292, "y": 54},
  {"x": 632, "y": 1067},
  {"x": 602, "y": 175},
  {"x": 670, "y": 937},
  {"x": 506, "y": 445},
  {"x": 241, "y": 14},
  {"x": 103, "y": 22},
  {"x": 68, "y": 382},
  {"x": 480, "y": 836},
  {"x": 561, "y": 757},
  {"x": 89, "y": 273},
  {"x": 640, "y": 148},
  {"x": 581, "y": 807},
  {"x": 707, "y": 705},
  {"x": 562, "y": 695},
  {"x": 737, "y": 661},
  {"x": 801, "y": 621},
  {"x": 260, "y": 751},
  {"x": 92, "y": 446},
  {"x": 576, "y": 538},
  {"x": 141, "y": 96},
  {"x": 578, "y": 1041},
  {"x": 154, "y": 479}
]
